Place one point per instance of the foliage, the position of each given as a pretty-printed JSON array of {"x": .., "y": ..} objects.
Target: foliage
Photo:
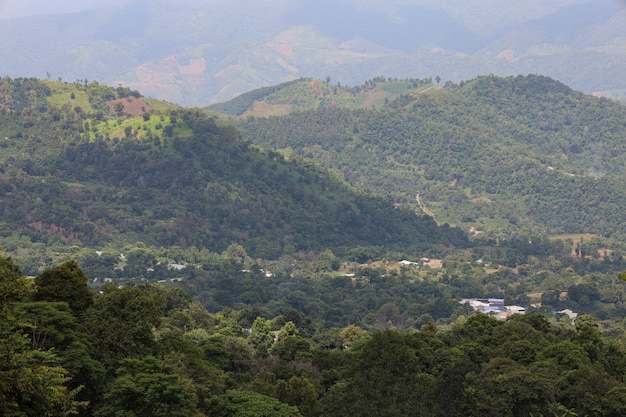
[
  {"x": 143, "y": 388},
  {"x": 308, "y": 94},
  {"x": 147, "y": 350},
  {"x": 121, "y": 321},
  {"x": 119, "y": 181},
  {"x": 32, "y": 382},
  {"x": 249, "y": 404},
  {"x": 499, "y": 155},
  {"x": 66, "y": 282}
]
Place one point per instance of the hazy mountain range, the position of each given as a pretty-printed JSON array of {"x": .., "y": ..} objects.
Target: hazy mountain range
[{"x": 198, "y": 53}]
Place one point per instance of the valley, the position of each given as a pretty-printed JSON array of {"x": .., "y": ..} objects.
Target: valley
[{"x": 285, "y": 250}]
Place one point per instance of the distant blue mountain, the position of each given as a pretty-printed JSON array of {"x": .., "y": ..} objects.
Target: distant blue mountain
[
  {"x": 418, "y": 28},
  {"x": 203, "y": 52}
]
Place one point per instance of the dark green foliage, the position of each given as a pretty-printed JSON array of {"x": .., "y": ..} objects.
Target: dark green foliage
[
  {"x": 499, "y": 154},
  {"x": 32, "y": 380},
  {"x": 385, "y": 376},
  {"x": 249, "y": 404},
  {"x": 120, "y": 322},
  {"x": 143, "y": 388},
  {"x": 12, "y": 287},
  {"x": 66, "y": 282},
  {"x": 165, "y": 356},
  {"x": 24, "y": 93},
  {"x": 207, "y": 189},
  {"x": 243, "y": 102}
]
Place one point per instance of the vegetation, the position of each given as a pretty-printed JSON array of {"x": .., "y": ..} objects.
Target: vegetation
[
  {"x": 145, "y": 350},
  {"x": 177, "y": 179},
  {"x": 495, "y": 155},
  {"x": 308, "y": 94},
  {"x": 177, "y": 270}
]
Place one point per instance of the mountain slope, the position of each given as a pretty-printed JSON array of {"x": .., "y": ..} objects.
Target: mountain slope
[
  {"x": 174, "y": 178},
  {"x": 308, "y": 94},
  {"x": 200, "y": 53},
  {"x": 496, "y": 154}
]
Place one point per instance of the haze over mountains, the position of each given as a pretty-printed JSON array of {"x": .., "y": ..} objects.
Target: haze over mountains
[{"x": 198, "y": 53}]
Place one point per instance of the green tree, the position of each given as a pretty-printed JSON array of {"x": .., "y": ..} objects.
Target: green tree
[
  {"x": 143, "y": 388},
  {"x": 299, "y": 391},
  {"x": 237, "y": 253},
  {"x": 12, "y": 285},
  {"x": 66, "y": 282},
  {"x": 119, "y": 109},
  {"x": 138, "y": 260},
  {"x": 249, "y": 404},
  {"x": 261, "y": 336},
  {"x": 384, "y": 375},
  {"x": 120, "y": 322},
  {"x": 290, "y": 348},
  {"x": 32, "y": 382},
  {"x": 516, "y": 390}
]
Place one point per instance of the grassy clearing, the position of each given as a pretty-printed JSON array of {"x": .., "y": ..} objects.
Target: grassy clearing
[
  {"x": 138, "y": 127},
  {"x": 62, "y": 94}
]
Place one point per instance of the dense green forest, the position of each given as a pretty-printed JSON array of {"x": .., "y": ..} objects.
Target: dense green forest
[
  {"x": 499, "y": 155},
  {"x": 92, "y": 176},
  {"x": 157, "y": 263},
  {"x": 147, "y": 350}
]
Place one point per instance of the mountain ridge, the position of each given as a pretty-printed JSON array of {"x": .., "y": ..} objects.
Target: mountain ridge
[
  {"x": 495, "y": 154},
  {"x": 200, "y": 54},
  {"x": 97, "y": 175}
]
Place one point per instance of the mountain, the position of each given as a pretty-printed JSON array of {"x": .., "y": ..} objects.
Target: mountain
[
  {"x": 495, "y": 154},
  {"x": 201, "y": 53},
  {"x": 91, "y": 165},
  {"x": 307, "y": 94}
]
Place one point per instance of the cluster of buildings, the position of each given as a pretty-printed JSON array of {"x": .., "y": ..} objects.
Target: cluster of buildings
[{"x": 494, "y": 307}]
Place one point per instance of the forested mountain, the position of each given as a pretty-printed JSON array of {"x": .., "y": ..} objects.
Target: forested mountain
[
  {"x": 96, "y": 175},
  {"x": 494, "y": 154},
  {"x": 308, "y": 94},
  {"x": 202, "y": 52},
  {"x": 146, "y": 350},
  {"x": 226, "y": 279}
]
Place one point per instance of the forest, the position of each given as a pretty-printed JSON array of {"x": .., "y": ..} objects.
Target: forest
[
  {"x": 148, "y": 350},
  {"x": 78, "y": 176},
  {"x": 159, "y": 261},
  {"x": 498, "y": 155}
]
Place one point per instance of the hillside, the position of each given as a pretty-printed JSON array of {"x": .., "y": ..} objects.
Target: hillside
[
  {"x": 95, "y": 175},
  {"x": 147, "y": 350},
  {"x": 308, "y": 94},
  {"x": 496, "y": 155},
  {"x": 200, "y": 53}
]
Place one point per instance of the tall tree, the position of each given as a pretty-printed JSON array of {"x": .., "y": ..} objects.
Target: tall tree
[
  {"x": 249, "y": 404},
  {"x": 121, "y": 321},
  {"x": 143, "y": 388},
  {"x": 32, "y": 383},
  {"x": 66, "y": 282}
]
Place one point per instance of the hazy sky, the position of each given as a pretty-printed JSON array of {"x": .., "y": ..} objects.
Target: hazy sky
[{"x": 17, "y": 8}]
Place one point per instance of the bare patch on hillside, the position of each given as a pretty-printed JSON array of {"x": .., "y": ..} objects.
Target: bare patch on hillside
[
  {"x": 195, "y": 67},
  {"x": 132, "y": 106},
  {"x": 285, "y": 65},
  {"x": 315, "y": 85},
  {"x": 507, "y": 55},
  {"x": 283, "y": 49},
  {"x": 263, "y": 109}
]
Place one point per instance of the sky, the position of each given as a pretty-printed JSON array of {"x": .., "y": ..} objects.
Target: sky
[{"x": 10, "y": 9}]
